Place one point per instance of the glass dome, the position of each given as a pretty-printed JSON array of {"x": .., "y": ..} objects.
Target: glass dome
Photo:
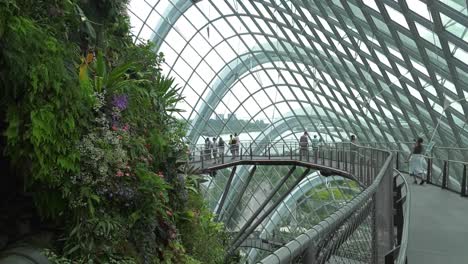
[{"x": 383, "y": 70}]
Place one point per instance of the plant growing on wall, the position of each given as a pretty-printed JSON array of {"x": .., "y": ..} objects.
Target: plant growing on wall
[{"x": 91, "y": 127}]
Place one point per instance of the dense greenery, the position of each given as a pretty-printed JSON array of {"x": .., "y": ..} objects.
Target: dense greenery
[{"x": 90, "y": 129}]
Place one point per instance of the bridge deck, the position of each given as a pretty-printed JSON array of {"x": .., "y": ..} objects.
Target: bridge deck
[
  {"x": 438, "y": 230},
  {"x": 333, "y": 166}
]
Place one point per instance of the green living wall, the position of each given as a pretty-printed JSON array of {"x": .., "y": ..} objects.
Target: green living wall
[{"x": 89, "y": 133}]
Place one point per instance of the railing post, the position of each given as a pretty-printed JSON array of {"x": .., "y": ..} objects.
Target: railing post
[
  {"x": 429, "y": 171},
  {"x": 283, "y": 150},
  {"x": 345, "y": 159},
  {"x": 222, "y": 155},
  {"x": 290, "y": 150},
  {"x": 397, "y": 161},
  {"x": 463, "y": 187},
  {"x": 359, "y": 163},
  {"x": 201, "y": 157},
  {"x": 445, "y": 175},
  {"x": 383, "y": 210},
  {"x": 368, "y": 176},
  {"x": 269, "y": 154},
  {"x": 250, "y": 149},
  {"x": 240, "y": 151},
  {"x": 338, "y": 158}
]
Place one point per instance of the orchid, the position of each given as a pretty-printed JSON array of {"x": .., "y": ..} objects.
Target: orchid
[{"x": 120, "y": 102}]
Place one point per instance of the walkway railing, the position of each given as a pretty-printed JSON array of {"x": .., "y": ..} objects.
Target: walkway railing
[
  {"x": 361, "y": 230},
  {"x": 401, "y": 206},
  {"x": 446, "y": 166},
  {"x": 344, "y": 156}
]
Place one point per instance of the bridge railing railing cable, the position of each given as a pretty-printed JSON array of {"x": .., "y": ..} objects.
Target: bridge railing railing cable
[
  {"x": 446, "y": 167},
  {"x": 354, "y": 232},
  {"x": 339, "y": 155},
  {"x": 351, "y": 232},
  {"x": 401, "y": 202}
]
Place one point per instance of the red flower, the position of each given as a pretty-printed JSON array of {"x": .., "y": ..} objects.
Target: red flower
[
  {"x": 114, "y": 128},
  {"x": 119, "y": 173},
  {"x": 160, "y": 174}
]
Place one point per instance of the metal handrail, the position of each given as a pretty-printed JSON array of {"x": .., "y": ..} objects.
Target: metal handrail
[
  {"x": 311, "y": 238},
  {"x": 404, "y": 237}
]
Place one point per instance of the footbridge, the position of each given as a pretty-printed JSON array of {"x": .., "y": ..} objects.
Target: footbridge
[{"x": 337, "y": 203}]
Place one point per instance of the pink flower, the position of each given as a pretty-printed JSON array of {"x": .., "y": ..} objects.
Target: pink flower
[
  {"x": 114, "y": 128},
  {"x": 127, "y": 174},
  {"x": 160, "y": 174},
  {"x": 126, "y": 127},
  {"x": 119, "y": 173},
  {"x": 169, "y": 212}
]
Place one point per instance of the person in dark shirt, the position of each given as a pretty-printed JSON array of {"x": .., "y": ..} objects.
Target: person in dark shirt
[{"x": 417, "y": 166}]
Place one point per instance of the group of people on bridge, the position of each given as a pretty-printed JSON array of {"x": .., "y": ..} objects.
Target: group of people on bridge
[
  {"x": 215, "y": 149},
  {"x": 304, "y": 145}
]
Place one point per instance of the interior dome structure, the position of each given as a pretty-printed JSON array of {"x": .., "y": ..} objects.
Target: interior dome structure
[{"x": 387, "y": 71}]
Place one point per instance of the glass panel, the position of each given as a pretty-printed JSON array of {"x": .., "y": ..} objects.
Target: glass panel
[{"x": 396, "y": 16}]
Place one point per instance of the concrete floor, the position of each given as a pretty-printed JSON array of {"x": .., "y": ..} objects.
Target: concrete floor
[{"x": 438, "y": 230}]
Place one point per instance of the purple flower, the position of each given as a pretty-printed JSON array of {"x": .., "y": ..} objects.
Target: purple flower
[{"x": 120, "y": 101}]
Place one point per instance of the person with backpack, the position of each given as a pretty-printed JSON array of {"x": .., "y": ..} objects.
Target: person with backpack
[
  {"x": 304, "y": 145},
  {"x": 232, "y": 146},
  {"x": 207, "y": 149},
  {"x": 315, "y": 145},
  {"x": 417, "y": 162},
  {"x": 221, "y": 149}
]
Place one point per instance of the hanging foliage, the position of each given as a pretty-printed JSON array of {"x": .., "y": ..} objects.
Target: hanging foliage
[{"x": 91, "y": 129}]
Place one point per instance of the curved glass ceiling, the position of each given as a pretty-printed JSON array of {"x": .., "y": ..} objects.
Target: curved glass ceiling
[{"x": 385, "y": 70}]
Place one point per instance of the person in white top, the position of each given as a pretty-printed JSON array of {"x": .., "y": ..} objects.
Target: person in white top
[
  {"x": 315, "y": 144},
  {"x": 207, "y": 149}
]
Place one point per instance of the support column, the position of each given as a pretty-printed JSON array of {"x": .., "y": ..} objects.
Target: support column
[
  {"x": 226, "y": 190},
  {"x": 232, "y": 207}
]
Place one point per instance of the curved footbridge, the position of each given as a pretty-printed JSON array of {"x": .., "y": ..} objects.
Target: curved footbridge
[{"x": 365, "y": 221}]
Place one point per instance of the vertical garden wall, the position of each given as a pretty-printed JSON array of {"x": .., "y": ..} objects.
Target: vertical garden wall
[{"x": 89, "y": 145}]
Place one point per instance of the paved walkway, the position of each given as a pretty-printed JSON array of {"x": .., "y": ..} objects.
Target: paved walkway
[{"x": 438, "y": 231}]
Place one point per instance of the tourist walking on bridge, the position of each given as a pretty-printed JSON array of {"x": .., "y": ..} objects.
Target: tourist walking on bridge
[
  {"x": 232, "y": 146},
  {"x": 207, "y": 149},
  {"x": 315, "y": 143},
  {"x": 417, "y": 162},
  {"x": 221, "y": 149},
  {"x": 304, "y": 145}
]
